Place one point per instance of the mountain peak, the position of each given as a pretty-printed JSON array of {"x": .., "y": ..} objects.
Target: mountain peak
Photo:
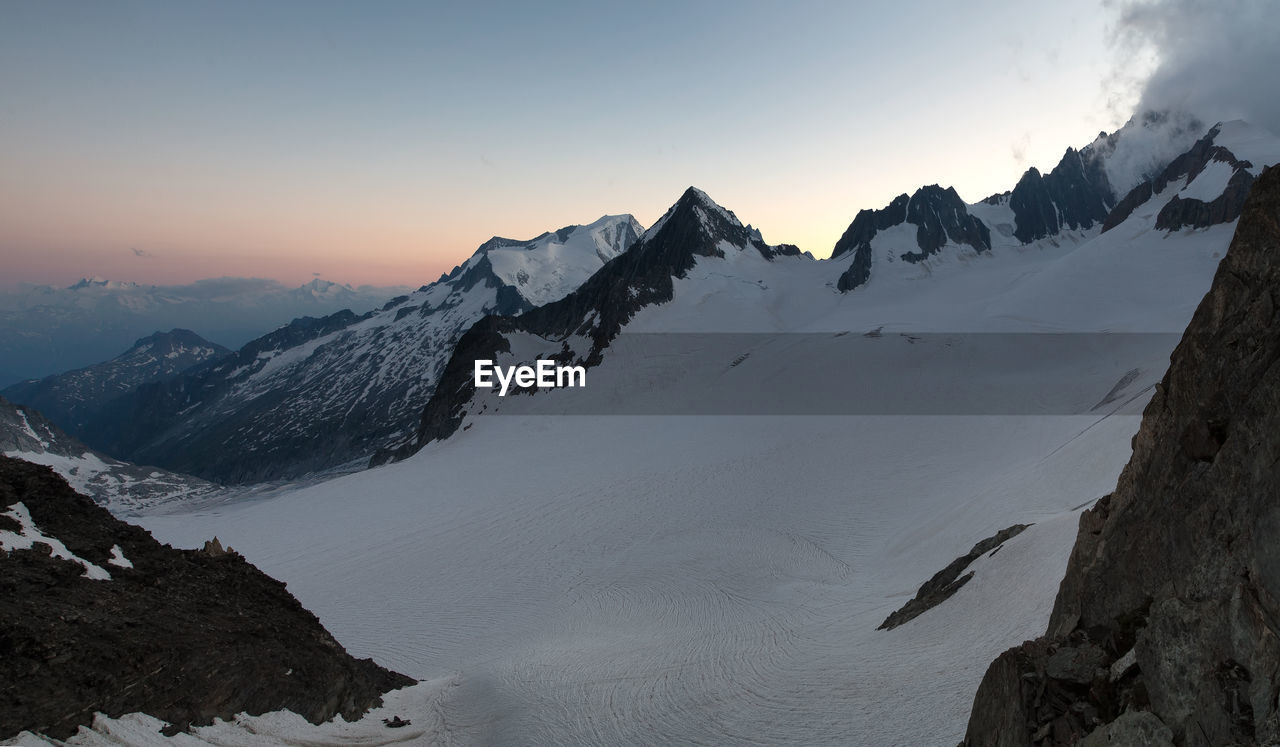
[
  {"x": 696, "y": 197},
  {"x": 717, "y": 221}
]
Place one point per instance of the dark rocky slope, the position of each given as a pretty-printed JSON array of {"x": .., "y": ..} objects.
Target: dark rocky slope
[
  {"x": 183, "y": 635},
  {"x": 1166, "y": 628},
  {"x": 150, "y": 424},
  {"x": 946, "y": 582}
]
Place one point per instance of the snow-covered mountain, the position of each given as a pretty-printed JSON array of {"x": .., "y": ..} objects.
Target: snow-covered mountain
[
  {"x": 320, "y": 393},
  {"x": 120, "y": 487},
  {"x": 70, "y": 399},
  {"x": 46, "y": 330},
  {"x": 652, "y": 569},
  {"x": 698, "y": 269}
]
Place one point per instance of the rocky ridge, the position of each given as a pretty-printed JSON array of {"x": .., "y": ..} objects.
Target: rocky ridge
[
  {"x": 324, "y": 394},
  {"x": 1166, "y": 627},
  {"x": 101, "y": 618}
]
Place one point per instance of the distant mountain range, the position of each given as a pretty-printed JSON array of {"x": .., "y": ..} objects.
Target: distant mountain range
[
  {"x": 322, "y": 392},
  {"x": 326, "y": 392},
  {"x": 729, "y": 280},
  {"x": 72, "y": 398},
  {"x": 46, "y": 330}
]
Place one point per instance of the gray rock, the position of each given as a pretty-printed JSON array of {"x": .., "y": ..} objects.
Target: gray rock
[
  {"x": 1122, "y": 665},
  {"x": 1080, "y": 665},
  {"x": 1178, "y": 569},
  {"x": 1131, "y": 729},
  {"x": 948, "y": 581}
]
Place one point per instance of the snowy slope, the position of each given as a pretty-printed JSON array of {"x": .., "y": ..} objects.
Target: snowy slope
[
  {"x": 335, "y": 390},
  {"x": 120, "y": 487}
]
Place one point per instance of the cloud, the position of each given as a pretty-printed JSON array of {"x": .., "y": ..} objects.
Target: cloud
[
  {"x": 141, "y": 252},
  {"x": 1214, "y": 60}
]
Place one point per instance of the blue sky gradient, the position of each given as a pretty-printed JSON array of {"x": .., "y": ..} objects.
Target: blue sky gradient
[{"x": 381, "y": 142}]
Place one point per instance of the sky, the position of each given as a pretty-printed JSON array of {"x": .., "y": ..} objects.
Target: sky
[{"x": 382, "y": 142}]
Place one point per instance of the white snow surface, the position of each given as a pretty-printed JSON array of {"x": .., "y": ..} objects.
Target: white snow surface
[
  {"x": 118, "y": 559},
  {"x": 1209, "y": 183},
  {"x": 549, "y": 268},
  {"x": 29, "y": 535},
  {"x": 1250, "y": 142}
]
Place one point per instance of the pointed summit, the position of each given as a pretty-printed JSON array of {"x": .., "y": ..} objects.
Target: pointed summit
[
  {"x": 697, "y": 205},
  {"x": 702, "y": 227}
]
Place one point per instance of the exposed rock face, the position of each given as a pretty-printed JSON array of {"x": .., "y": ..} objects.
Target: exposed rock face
[
  {"x": 1175, "y": 578},
  {"x": 941, "y": 216},
  {"x": 857, "y": 239},
  {"x": 185, "y": 636},
  {"x": 147, "y": 424},
  {"x": 948, "y": 581},
  {"x": 1181, "y": 212},
  {"x": 1074, "y": 195},
  {"x": 938, "y": 214}
]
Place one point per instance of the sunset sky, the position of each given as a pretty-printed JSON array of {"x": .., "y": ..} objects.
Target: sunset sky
[{"x": 382, "y": 142}]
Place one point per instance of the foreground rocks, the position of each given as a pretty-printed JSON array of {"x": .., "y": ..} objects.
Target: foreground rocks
[
  {"x": 1166, "y": 628},
  {"x": 182, "y": 635}
]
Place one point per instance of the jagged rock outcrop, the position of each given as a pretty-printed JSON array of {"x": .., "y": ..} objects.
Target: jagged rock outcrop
[
  {"x": 939, "y": 215},
  {"x": 1184, "y": 212},
  {"x": 1180, "y": 212},
  {"x": 948, "y": 581},
  {"x": 114, "y": 622},
  {"x": 1170, "y": 607},
  {"x": 1074, "y": 195},
  {"x": 857, "y": 239}
]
